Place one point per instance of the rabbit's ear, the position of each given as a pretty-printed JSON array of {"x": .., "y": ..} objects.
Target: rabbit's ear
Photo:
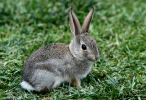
[
  {"x": 87, "y": 21},
  {"x": 74, "y": 23}
]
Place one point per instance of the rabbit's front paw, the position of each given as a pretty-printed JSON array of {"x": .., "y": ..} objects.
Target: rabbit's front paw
[{"x": 76, "y": 82}]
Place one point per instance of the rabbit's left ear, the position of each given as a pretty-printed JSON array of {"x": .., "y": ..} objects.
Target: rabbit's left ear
[
  {"x": 74, "y": 23},
  {"x": 87, "y": 21}
]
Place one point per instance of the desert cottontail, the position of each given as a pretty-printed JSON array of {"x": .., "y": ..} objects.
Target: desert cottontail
[{"x": 56, "y": 63}]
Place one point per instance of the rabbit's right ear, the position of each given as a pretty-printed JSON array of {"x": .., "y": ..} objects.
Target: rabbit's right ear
[{"x": 74, "y": 23}]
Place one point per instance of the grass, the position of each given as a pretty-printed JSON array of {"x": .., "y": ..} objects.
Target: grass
[{"x": 119, "y": 27}]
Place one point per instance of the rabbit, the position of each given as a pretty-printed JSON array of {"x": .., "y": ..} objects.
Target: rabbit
[{"x": 55, "y": 63}]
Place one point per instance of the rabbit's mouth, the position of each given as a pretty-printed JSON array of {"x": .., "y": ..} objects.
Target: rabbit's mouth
[{"x": 92, "y": 58}]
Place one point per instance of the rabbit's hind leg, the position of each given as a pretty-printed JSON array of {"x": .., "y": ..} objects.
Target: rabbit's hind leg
[{"x": 42, "y": 80}]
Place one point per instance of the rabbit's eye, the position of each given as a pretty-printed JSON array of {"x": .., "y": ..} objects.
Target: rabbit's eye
[{"x": 84, "y": 47}]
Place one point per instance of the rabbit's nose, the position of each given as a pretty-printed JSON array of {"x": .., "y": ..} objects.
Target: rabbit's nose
[{"x": 91, "y": 57}]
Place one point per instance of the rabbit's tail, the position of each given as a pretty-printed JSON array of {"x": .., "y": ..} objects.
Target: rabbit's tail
[{"x": 27, "y": 86}]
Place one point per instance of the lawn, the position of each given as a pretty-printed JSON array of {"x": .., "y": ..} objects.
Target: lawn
[{"x": 119, "y": 27}]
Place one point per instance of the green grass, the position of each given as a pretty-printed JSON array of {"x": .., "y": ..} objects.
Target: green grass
[{"x": 119, "y": 27}]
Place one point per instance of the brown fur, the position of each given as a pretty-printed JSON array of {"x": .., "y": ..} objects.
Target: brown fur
[{"x": 75, "y": 82}]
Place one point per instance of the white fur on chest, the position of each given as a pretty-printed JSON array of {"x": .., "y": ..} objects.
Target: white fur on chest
[{"x": 86, "y": 72}]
